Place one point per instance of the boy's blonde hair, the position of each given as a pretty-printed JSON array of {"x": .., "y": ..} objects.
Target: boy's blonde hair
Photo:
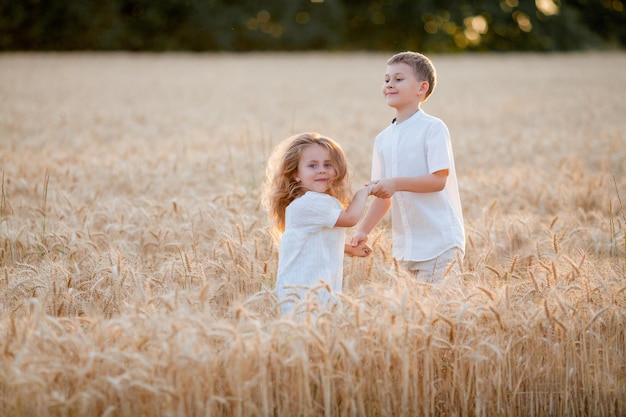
[
  {"x": 422, "y": 66},
  {"x": 281, "y": 188}
]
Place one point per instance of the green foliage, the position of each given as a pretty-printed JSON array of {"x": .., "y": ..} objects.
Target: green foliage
[{"x": 241, "y": 25}]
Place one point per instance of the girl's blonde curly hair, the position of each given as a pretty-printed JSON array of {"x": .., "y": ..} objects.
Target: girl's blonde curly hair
[{"x": 281, "y": 188}]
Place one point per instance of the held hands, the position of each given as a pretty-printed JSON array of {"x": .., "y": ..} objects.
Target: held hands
[
  {"x": 361, "y": 250},
  {"x": 382, "y": 188},
  {"x": 359, "y": 238},
  {"x": 358, "y": 242}
]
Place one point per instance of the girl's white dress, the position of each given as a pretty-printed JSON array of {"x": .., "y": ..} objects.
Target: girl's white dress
[{"x": 311, "y": 250}]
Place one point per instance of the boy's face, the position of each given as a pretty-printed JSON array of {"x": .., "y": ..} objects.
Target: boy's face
[{"x": 401, "y": 87}]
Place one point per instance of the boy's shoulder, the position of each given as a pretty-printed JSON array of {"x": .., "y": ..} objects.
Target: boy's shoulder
[
  {"x": 423, "y": 116},
  {"x": 426, "y": 123}
]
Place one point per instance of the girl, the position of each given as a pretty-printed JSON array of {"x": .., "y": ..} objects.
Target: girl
[{"x": 307, "y": 195}]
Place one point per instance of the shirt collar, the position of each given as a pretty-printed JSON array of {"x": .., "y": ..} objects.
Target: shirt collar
[{"x": 413, "y": 116}]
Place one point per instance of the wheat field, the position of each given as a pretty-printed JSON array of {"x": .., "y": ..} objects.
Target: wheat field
[{"x": 137, "y": 270}]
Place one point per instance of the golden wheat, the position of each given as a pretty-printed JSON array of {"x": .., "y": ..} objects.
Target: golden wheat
[{"x": 137, "y": 270}]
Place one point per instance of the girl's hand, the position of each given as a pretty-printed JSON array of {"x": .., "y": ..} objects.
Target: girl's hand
[
  {"x": 370, "y": 187},
  {"x": 383, "y": 188},
  {"x": 361, "y": 250}
]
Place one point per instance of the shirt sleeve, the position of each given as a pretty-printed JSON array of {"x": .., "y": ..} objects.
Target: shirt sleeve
[
  {"x": 376, "y": 174},
  {"x": 317, "y": 210},
  {"x": 438, "y": 149}
]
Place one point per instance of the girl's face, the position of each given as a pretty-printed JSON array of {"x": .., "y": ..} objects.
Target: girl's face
[
  {"x": 401, "y": 88},
  {"x": 315, "y": 169}
]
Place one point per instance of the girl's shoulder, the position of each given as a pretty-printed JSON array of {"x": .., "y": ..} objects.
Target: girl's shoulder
[
  {"x": 314, "y": 198},
  {"x": 314, "y": 195},
  {"x": 314, "y": 208}
]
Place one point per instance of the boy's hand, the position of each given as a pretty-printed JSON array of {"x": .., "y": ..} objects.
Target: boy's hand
[
  {"x": 358, "y": 238},
  {"x": 383, "y": 188},
  {"x": 361, "y": 250}
]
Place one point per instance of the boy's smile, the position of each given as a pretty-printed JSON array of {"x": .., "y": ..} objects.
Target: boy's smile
[{"x": 401, "y": 88}]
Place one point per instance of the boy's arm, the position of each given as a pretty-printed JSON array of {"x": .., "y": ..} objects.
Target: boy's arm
[
  {"x": 429, "y": 183},
  {"x": 376, "y": 212}
]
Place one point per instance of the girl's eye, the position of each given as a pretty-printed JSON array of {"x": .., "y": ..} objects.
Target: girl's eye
[
  {"x": 313, "y": 166},
  {"x": 328, "y": 166}
]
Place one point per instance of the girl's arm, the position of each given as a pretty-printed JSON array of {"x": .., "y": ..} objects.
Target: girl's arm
[{"x": 351, "y": 215}]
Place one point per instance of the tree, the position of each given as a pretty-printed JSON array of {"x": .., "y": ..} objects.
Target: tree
[{"x": 241, "y": 25}]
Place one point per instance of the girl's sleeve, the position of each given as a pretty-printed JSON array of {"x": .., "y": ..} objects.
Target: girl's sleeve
[{"x": 317, "y": 210}]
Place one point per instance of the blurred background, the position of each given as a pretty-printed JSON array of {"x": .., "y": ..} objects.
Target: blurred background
[{"x": 300, "y": 25}]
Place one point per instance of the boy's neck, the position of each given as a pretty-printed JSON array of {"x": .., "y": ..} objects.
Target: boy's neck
[{"x": 405, "y": 114}]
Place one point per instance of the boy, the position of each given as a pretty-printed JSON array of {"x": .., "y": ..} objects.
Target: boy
[{"x": 414, "y": 175}]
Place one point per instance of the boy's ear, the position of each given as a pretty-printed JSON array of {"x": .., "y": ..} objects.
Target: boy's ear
[{"x": 423, "y": 89}]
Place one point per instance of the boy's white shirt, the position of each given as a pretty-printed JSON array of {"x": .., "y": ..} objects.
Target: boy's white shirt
[
  {"x": 424, "y": 225},
  {"x": 311, "y": 248}
]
